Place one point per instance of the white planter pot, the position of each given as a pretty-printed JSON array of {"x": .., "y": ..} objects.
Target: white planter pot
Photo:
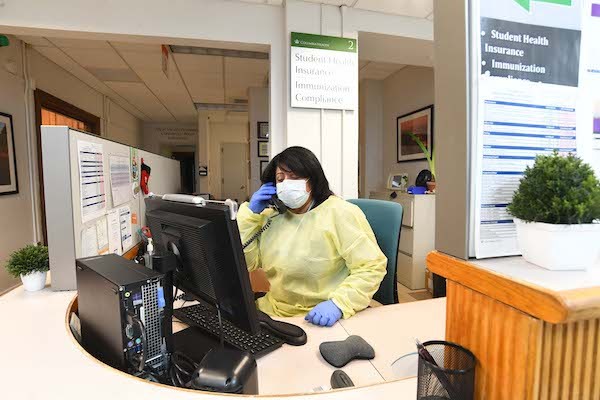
[
  {"x": 559, "y": 247},
  {"x": 34, "y": 281}
]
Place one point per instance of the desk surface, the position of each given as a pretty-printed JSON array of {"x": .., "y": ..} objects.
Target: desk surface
[
  {"x": 34, "y": 333},
  {"x": 553, "y": 296}
]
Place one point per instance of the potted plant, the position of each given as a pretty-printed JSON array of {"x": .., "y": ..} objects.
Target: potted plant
[
  {"x": 31, "y": 264},
  {"x": 430, "y": 159},
  {"x": 557, "y": 213}
]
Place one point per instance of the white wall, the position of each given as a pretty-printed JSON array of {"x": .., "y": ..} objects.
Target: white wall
[
  {"x": 258, "y": 110},
  {"x": 15, "y": 209},
  {"x": 407, "y": 90},
  {"x": 164, "y": 138},
  {"x": 371, "y": 136}
]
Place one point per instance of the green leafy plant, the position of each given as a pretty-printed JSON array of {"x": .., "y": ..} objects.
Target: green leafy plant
[
  {"x": 429, "y": 156},
  {"x": 27, "y": 260},
  {"x": 557, "y": 190}
]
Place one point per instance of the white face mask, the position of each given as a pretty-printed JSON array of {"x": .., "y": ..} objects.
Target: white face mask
[{"x": 292, "y": 192}]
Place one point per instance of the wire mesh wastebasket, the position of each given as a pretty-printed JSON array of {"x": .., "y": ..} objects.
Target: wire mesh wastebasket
[{"x": 449, "y": 375}]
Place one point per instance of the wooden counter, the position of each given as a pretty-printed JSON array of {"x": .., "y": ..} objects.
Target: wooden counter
[
  {"x": 535, "y": 333},
  {"x": 35, "y": 334}
]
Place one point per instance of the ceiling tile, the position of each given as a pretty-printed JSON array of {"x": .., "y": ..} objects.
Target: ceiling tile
[
  {"x": 96, "y": 58},
  {"x": 38, "y": 41},
  {"x": 80, "y": 43},
  {"x": 412, "y": 8},
  {"x": 140, "y": 96},
  {"x": 57, "y": 56},
  {"x": 202, "y": 76},
  {"x": 378, "y": 70},
  {"x": 242, "y": 73},
  {"x": 146, "y": 61}
]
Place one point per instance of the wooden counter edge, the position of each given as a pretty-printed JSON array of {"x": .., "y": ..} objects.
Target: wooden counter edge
[{"x": 547, "y": 305}]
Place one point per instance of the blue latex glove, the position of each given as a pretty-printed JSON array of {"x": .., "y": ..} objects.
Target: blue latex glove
[
  {"x": 325, "y": 313},
  {"x": 260, "y": 198}
]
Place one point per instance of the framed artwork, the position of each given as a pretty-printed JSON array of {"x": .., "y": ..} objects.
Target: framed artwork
[
  {"x": 263, "y": 165},
  {"x": 420, "y": 123},
  {"x": 262, "y": 130},
  {"x": 8, "y": 161},
  {"x": 263, "y": 149}
]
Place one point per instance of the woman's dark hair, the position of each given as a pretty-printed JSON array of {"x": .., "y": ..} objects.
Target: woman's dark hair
[{"x": 304, "y": 164}]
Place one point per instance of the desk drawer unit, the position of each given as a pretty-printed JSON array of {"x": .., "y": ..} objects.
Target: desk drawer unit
[{"x": 416, "y": 238}]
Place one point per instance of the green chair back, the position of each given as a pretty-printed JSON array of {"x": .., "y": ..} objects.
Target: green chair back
[{"x": 385, "y": 218}]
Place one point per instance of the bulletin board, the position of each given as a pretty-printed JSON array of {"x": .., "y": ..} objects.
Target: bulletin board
[{"x": 89, "y": 233}]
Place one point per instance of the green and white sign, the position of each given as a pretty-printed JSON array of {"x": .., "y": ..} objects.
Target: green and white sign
[{"x": 324, "y": 72}]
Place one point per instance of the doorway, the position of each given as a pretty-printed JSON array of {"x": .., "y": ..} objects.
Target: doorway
[
  {"x": 187, "y": 162},
  {"x": 234, "y": 171}
]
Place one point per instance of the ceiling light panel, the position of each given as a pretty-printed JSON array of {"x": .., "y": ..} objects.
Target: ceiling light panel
[{"x": 209, "y": 51}]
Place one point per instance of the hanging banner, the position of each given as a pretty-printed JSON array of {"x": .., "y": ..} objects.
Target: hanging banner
[
  {"x": 528, "y": 67},
  {"x": 324, "y": 72}
]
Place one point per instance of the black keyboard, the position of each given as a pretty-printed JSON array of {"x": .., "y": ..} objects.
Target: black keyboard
[{"x": 207, "y": 320}]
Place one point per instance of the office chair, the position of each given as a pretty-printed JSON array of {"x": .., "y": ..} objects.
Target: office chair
[{"x": 385, "y": 218}]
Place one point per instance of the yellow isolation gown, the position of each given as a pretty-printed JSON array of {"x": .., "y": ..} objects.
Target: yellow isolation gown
[{"x": 330, "y": 252}]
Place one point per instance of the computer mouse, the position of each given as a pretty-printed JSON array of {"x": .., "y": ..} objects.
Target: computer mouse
[
  {"x": 289, "y": 333},
  {"x": 339, "y": 379}
]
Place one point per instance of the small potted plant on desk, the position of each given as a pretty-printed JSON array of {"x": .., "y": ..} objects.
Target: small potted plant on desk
[
  {"x": 430, "y": 157},
  {"x": 557, "y": 213},
  {"x": 31, "y": 264}
]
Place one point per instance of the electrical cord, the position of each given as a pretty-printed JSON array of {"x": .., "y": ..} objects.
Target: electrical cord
[
  {"x": 142, "y": 358},
  {"x": 220, "y": 325},
  {"x": 257, "y": 234},
  {"x": 181, "y": 370}
]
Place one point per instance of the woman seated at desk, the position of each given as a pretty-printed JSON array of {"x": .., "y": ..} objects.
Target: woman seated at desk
[{"x": 320, "y": 256}]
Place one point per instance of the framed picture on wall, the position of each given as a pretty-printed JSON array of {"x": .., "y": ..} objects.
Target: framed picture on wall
[
  {"x": 8, "y": 161},
  {"x": 263, "y": 165},
  {"x": 263, "y": 148},
  {"x": 262, "y": 129},
  {"x": 419, "y": 123}
]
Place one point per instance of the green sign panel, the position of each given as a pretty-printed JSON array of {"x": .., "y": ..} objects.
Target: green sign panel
[
  {"x": 323, "y": 42},
  {"x": 526, "y": 4}
]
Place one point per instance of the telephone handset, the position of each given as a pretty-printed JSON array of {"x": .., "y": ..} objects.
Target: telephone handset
[{"x": 277, "y": 205}]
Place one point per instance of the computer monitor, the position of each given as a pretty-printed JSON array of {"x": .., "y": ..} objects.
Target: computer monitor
[{"x": 211, "y": 265}]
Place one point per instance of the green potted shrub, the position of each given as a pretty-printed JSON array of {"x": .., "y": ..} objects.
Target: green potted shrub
[
  {"x": 557, "y": 213},
  {"x": 31, "y": 264}
]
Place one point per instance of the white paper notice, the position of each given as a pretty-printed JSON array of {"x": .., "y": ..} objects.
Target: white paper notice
[
  {"x": 102, "y": 233},
  {"x": 519, "y": 120},
  {"x": 91, "y": 179},
  {"x": 125, "y": 223},
  {"x": 114, "y": 233},
  {"x": 120, "y": 179},
  {"x": 89, "y": 242}
]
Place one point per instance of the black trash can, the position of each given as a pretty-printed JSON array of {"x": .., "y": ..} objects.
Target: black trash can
[{"x": 452, "y": 377}]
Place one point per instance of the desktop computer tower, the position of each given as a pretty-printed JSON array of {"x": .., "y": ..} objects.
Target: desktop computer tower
[{"x": 121, "y": 307}]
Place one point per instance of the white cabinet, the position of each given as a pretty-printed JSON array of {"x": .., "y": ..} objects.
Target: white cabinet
[{"x": 417, "y": 237}]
